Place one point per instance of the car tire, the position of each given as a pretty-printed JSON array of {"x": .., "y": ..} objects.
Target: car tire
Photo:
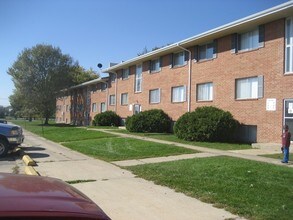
[{"x": 4, "y": 146}]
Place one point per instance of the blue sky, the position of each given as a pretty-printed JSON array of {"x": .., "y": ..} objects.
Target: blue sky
[{"x": 104, "y": 31}]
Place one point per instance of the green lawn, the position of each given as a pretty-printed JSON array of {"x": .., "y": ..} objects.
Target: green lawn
[
  {"x": 251, "y": 189},
  {"x": 115, "y": 148},
  {"x": 173, "y": 138},
  {"x": 278, "y": 156},
  {"x": 102, "y": 145},
  {"x": 61, "y": 132}
]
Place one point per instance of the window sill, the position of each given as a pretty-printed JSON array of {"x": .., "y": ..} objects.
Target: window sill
[
  {"x": 155, "y": 71},
  {"x": 288, "y": 74},
  {"x": 137, "y": 92},
  {"x": 205, "y": 60},
  {"x": 154, "y": 103},
  {"x": 248, "y": 50},
  {"x": 179, "y": 102},
  {"x": 204, "y": 101},
  {"x": 178, "y": 66},
  {"x": 125, "y": 79},
  {"x": 248, "y": 99}
]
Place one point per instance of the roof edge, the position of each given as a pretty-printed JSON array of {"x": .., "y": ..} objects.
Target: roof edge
[{"x": 219, "y": 29}]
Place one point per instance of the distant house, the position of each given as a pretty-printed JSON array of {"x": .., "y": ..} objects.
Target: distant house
[{"x": 245, "y": 67}]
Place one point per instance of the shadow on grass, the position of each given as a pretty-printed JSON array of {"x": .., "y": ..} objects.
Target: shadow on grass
[{"x": 56, "y": 125}]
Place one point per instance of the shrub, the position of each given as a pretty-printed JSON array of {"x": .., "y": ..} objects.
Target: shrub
[
  {"x": 154, "y": 120},
  {"x": 206, "y": 124},
  {"x": 107, "y": 118}
]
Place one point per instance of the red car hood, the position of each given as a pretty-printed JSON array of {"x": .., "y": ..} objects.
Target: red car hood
[{"x": 22, "y": 195}]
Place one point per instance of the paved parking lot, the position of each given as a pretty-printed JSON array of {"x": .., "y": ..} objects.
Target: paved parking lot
[{"x": 12, "y": 163}]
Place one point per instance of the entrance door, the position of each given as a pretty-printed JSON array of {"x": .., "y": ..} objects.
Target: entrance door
[
  {"x": 136, "y": 109},
  {"x": 288, "y": 115}
]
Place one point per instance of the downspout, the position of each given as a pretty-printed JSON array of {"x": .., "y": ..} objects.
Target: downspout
[{"x": 189, "y": 77}]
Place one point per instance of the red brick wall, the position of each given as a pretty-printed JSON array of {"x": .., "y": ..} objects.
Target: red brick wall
[{"x": 222, "y": 71}]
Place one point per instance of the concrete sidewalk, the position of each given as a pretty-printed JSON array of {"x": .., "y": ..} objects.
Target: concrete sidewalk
[{"x": 117, "y": 191}]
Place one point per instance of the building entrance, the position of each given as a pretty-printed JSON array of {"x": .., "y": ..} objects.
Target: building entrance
[{"x": 288, "y": 115}]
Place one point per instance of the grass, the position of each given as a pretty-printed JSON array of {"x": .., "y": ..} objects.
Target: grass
[
  {"x": 70, "y": 134},
  {"x": 277, "y": 156},
  {"x": 61, "y": 132},
  {"x": 102, "y": 145},
  {"x": 114, "y": 149},
  {"x": 251, "y": 189},
  {"x": 173, "y": 138}
]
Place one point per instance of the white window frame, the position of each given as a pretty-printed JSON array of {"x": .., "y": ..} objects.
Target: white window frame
[
  {"x": 124, "y": 99},
  {"x": 178, "y": 94},
  {"x": 179, "y": 59},
  {"x": 249, "y": 88},
  {"x": 155, "y": 65},
  {"x": 102, "y": 107},
  {"x": 157, "y": 96},
  {"x": 111, "y": 99},
  {"x": 125, "y": 73},
  {"x": 138, "y": 78},
  {"x": 289, "y": 46},
  {"x": 203, "y": 51},
  {"x": 249, "y": 40},
  {"x": 94, "y": 107},
  {"x": 204, "y": 92}
]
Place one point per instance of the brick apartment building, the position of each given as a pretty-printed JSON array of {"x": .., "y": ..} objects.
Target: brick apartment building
[{"x": 245, "y": 67}]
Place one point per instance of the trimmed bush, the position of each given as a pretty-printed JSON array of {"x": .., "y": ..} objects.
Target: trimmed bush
[
  {"x": 154, "y": 120},
  {"x": 107, "y": 118},
  {"x": 206, "y": 124}
]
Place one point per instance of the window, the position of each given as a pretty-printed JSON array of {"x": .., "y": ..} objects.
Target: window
[
  {"x": 205, "y": 92},
  {"x": 113, "y": 77},
  {"x": 112, "y": 100},
  {"x": 103, "y": 107},
  {"x": 206, "y": 51},
  {"x": 178, "y": 59},
  {"x": 155, "y": 96},
  {"x": 67, "y": 108},
  {"x": 124, "y": 99},
  {"x": 155, "y": 65},
  {"x": 249, "y": 40},
  {"x": 94, "y": 107},
  {"x": 138, "y": 78},
  {"x": 93, "y": 88},
  {"x": 104, "y": 86},
  {"x": 289, "y": 46},
  {"x": 179, "y": 94},
  {"x": 125, "y": 73},
  {"x": 249, "y": 88}
]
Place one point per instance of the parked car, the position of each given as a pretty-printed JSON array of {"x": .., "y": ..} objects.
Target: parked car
[
  {"x": 36, "y": 197},
  {"x": 3, "y": 121},
  {"x": 10, "y": 137}
]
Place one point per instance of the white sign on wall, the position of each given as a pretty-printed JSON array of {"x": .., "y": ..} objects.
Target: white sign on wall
[{"x": 271, "y": 105}]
